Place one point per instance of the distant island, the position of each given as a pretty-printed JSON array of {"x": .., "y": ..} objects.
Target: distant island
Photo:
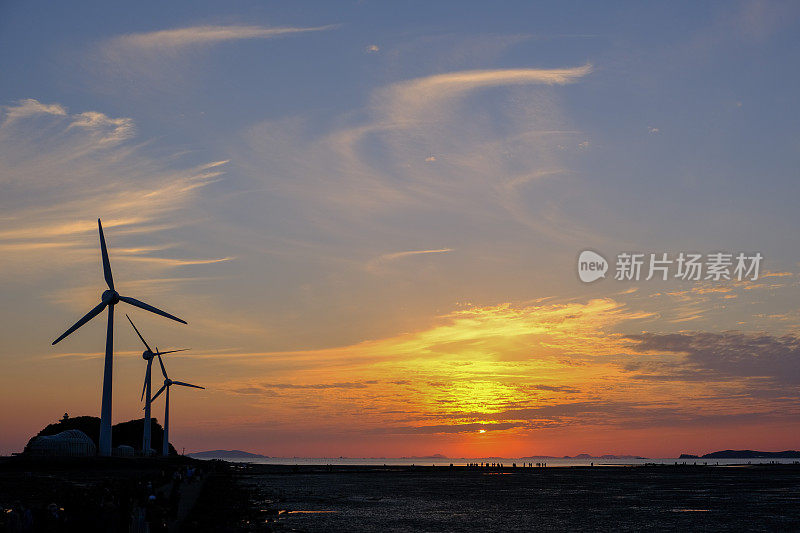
[
  {"x": 226, "y": 454},
  {"x": 605, "y": 456},
  {"x": 744, "y": 454}
]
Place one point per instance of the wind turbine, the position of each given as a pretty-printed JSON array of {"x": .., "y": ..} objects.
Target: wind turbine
[
  {"x": 109, "y": 299},
  {"x": 167, "y": 384},
  {"x": 148, "y": 356}
]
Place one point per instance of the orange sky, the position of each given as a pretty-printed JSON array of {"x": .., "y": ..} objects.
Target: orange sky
[{"x": 536, "y": 378}]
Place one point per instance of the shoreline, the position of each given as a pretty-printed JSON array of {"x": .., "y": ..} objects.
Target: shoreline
[
  {"x": 425, "y": 498},
  {"x": 301, "y": 463},
  {"x": 236, "y": 496}
]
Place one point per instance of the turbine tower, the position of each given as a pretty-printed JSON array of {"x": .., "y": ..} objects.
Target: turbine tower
[
  {"x": 167, "y": 384},
  {"x": 148, "y": 356},
  {"x": 109, "y": 299}
]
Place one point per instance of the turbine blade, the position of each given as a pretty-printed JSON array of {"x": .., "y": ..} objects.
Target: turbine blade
[
  {"x": 87, "y": 317},
  {"x": 106, "y": 263},
  {"x": 137, "y": 332},
  {"x": 146, "y": 377},
  {"x": 163, "y": 370},
  {"x": 173, "y": 351},
  {"x": 147, "y": 307},
  {"x": 159, "y": 392},
  {"x": 187, "y": 384}
]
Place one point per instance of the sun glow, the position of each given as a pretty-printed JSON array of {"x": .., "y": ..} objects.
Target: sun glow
[{"x": 497, "y": 374}]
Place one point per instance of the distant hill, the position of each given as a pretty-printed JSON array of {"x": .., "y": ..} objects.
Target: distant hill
[
  {"x": 750, "y": 454},
  {"x": 227, "y": 454},
  {"x": 128, "y": 433},
  {"x": 588, "y": 456}
]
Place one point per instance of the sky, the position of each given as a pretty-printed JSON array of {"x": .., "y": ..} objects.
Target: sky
[{"x": 370, "y": 214}]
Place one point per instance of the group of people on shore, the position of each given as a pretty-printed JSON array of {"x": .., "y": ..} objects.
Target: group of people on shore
[{"x": 502, "y": 465}]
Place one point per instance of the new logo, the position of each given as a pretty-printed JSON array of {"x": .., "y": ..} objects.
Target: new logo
[{"x": 591, "y": 266}]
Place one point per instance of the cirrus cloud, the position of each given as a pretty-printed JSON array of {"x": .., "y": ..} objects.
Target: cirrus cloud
[
  {"x": 160, "y": 57},
  {"x": 61, "y": 170},
  {"x": 174, "y": 40},
  {"x": 414, "y": 99}
]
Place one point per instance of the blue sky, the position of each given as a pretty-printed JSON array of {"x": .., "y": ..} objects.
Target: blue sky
[{"x": 303, "y": 178}]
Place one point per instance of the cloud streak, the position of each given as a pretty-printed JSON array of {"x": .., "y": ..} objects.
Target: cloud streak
[
  {"x": 160, "y": 60},
  {"x": 413, "y": 99},
  {"x": 178, "y": 39},
  {"x": 62, "y": 170},
  {"x": 435, "y": 148},
  {"x": 386, "y": 258},
  {"x": 30, "y": 107}
]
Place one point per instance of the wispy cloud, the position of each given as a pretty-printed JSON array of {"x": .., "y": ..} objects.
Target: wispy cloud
[
  {"x": 413, "y": 99},
  {"x": 30, "y": 107},
  {"x": 118, "y": 129},
  {"x": 177, "y": 39},
  {"x": 491, "y": 150},
  {"x": 62, "y": 170},
  {"x": 178, "y": 262},
  {"x": 162, "y": 58},
  {"x": 385, "y": 258}
]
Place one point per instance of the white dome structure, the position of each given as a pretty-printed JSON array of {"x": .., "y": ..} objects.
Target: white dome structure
[
  {"x": 123, "y": 450},
  {"x": 70, "y": 443}
]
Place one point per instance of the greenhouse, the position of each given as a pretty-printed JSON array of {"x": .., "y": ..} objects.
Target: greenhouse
[{"x": 70, "y": 443}]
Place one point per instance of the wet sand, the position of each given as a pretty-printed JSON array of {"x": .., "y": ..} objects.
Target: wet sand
[
  {"x": 238, "y": 497},
  {"x": 754, "y": 498}
]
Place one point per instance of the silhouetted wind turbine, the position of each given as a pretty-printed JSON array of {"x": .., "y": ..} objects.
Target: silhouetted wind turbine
[
  {"x": 167, "y": 384},
  {"x": 109, "y": 299},
  {"x": 148, "y": 356}
]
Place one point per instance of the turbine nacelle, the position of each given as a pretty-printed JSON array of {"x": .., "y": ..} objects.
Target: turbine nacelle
[
  {"x": 110, "y": 297},
  {"x": 147, "y": 355}
]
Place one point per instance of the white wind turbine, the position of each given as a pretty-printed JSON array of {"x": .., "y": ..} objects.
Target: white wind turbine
[
  {"x": 166, "y": 386},
  {"x": 148, "y": 356},
  {"x": 109, "y": 299}
]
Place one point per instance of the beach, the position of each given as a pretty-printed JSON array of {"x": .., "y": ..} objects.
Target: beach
[
  {"x": 103, "y": 495},
  {"x": 424, "y": 498}
]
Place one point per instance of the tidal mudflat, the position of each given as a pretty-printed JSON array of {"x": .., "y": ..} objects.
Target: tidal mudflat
[{"x": 306, "y": 498}]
